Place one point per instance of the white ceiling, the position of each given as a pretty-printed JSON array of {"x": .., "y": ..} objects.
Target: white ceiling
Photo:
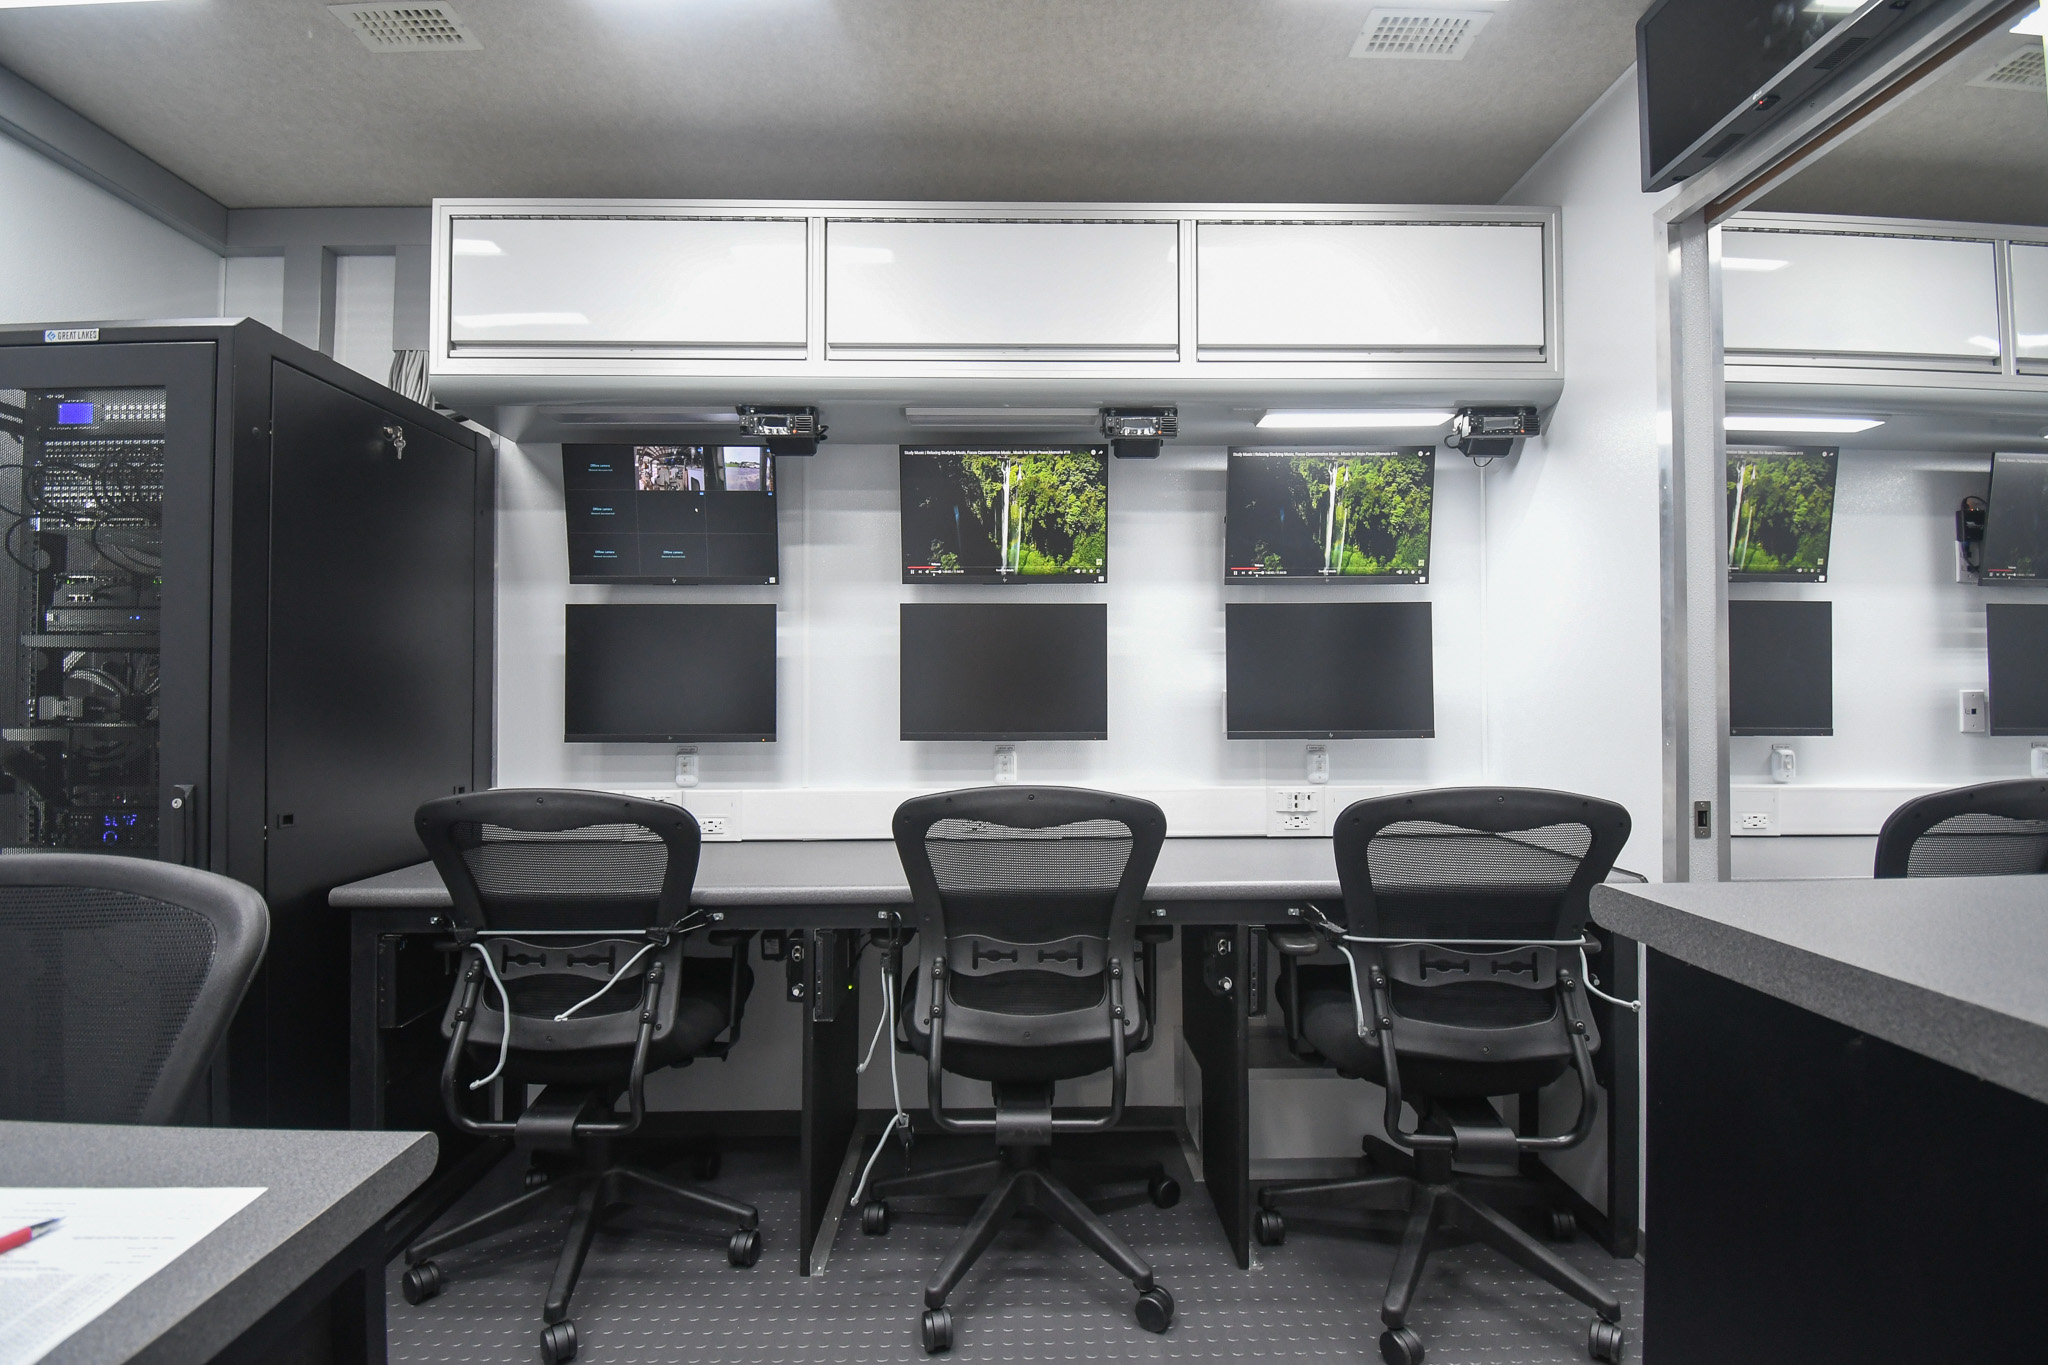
[
  {"x": 272, "y": 102},
  {"x": 1947, "y": 150}
]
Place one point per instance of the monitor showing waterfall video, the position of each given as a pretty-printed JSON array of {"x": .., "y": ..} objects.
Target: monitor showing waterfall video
[
  {"x": 1331, "y": 516},
  {"x": 1781, "y": 513},
  {"x": 1005, "y": 516}
]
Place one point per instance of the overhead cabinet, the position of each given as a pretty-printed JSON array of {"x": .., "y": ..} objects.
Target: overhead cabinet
[
  {"x": 1335, "y": 290},
  {"x": 2030, "y": 303},
  {"x": 681, "y": 286}
]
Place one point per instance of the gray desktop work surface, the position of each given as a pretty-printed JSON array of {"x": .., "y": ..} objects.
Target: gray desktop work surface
[
  {"x": 867, "y": 872},
  {"x": 322, "y": 1192},
  {"x": 1950, "y": 968}
]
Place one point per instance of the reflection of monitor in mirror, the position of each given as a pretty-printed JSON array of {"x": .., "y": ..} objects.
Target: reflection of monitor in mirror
[
  {"x": 668, "y": 672},
  {"x": 1781, "y": 513},
  {"x": 1328, "y": 670},
  {"x": 1005, "y": 516},
  {"x": 670, "y": 514},
  {"x": 1355, "y": 516},
  {"x": 1005, "y": 670},
  {"x": 1781, "y": 668},
  {"x": 2016, "y": 519},
  {"x": 2016, "y": 638}
]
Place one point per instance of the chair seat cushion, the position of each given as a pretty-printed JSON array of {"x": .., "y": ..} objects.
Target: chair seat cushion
[{"x": 1434, "y": 1065}]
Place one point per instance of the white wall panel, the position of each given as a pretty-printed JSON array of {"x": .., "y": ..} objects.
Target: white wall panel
[
  {"x": 674, "y": 283},
  {"x": 253, "y": 287},
  {"x": 994, "y": 286},
  {"x": 1385, "y": 286},
  {"x": 1810, "y": 293},
  {"x": 2030, "y": 299},
  {"x": 363, "y": 302}
]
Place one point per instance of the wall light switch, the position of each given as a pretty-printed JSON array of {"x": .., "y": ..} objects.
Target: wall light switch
[
  {"x": 1974, "y": 712},
  {"x": 1006, "y": 763}
]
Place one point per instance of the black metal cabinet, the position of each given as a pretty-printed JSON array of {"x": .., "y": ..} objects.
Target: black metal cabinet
[{"x": 248, "y": 598}]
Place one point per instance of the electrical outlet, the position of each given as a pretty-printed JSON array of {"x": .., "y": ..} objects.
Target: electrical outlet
[
  {"x": 686, "y": 767},
  {"x": 1318, "y": 763},
  {"x": 1301, "y": 822},
  {"x": 1974, "y": 712},
  {"x": 1293, "y": 812},
  {"x": 1006, "y": 763},
  {"x": 2037, "y": 760},
  {"x": 1756, "y": 820},
  {"x": 717, "y": 812},
  {"x": 713, "y": 826}
]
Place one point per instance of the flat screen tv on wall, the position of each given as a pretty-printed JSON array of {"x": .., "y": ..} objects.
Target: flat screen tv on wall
[
  {"x": 1019, "y": 515},
  {"x": 1781, "y": 514},
  {"x": 1329, "y": 516}
]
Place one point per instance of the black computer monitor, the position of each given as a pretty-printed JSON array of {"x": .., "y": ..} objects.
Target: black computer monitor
[
  {"x": 1328, "y": 670},
  {"x": 1005, "y": 670},
  {"x": 1781, "y": 513},
  {"x": 2016, "y": 520},
  {"x": 668, "y": 672},
  {"x": 1329, "y": 516},
  {"x": 2016, "y": 635},
  {"x": 1005, "y": 515},
  {"x": 1781, "y": 668},
  {"x": 670, "y": 514}
]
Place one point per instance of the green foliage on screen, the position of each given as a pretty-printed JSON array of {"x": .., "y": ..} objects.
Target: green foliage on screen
[
  {"x": 1380, "y": 522},
  {"x": 1781, "y": 506},
  {"x": 1058, "y": 508}
]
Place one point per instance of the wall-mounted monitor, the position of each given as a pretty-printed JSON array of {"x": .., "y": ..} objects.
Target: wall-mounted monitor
[
  {"x": 1781, "y": 668},
  {"x": 1329, "y": 670},
  {"x": 1781, "y": 513},
  {"x": 2016, "y": 635},
  {"x": 669, "y": 672},
  {"x": 670, "y": 514},
  {"x": 1329, "y": 516},
  {"x": 1019, "y": 515},
  {"x": 2016, "y": 520},
  {"x": 1005, "y": 670}
]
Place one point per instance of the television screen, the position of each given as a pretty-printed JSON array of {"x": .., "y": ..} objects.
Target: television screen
[
  {"x": 1005, "y": 670},
  {"x": 1328, "y": 670},
  {"x": 2016, "y": 519},
  {"x": 670, "y": 514},
  {"x": 1359, "y": 516},
  {"x": 669, "y": 672},
  {"x": 1006, "y": 516},
  {"x": 2017, "y": 638},
  {"x": 1781, "y": 668},
  {"x": 1781, "y": 513}
]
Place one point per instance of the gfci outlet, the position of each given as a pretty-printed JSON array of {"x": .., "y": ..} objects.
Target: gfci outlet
[
  {"x": 1294, "y": 812},
  {"x": 718, "y": 813}
]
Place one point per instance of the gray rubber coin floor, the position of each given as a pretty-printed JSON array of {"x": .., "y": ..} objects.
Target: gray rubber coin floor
[{"x": 658, "y": 1289}]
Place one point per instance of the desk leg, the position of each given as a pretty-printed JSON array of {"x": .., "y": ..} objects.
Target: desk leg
[
  {"x": 365, "y": 1043},
  {"x": 1624, "y": 1031},
  {"x": 1217, "y": 1033},
  {"x": 831, "y": 1093}
]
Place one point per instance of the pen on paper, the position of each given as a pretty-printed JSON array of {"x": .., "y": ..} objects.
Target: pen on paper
[{"x": 21, "y": 1237}]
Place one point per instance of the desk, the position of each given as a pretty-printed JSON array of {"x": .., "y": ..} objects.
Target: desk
[
  {"x": 302, "y": 1265},
  {"x": 1219, "y": 894},
  {"x": 1848, "y": 1115}
]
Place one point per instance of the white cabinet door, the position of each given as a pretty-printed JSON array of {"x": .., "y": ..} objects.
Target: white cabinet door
[
  {"x": 1297, "y": 289},
  {"x": 670, "y": 284},
  {"x": 2030, "y": 299},
  {"x": 1791, "y": 294},
  {"x": 966, "y": 289}
]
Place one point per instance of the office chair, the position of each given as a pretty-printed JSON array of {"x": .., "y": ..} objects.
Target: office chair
[
  {"x": 582, "y": 969},
  {"x": 1025, "y": 904},
  {"x": 122, "y": 977},
  {"x": 1989, "y": 830},
  {"x": 1455, "y": 978}
]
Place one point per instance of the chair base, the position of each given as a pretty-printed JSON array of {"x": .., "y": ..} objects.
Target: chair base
[
  {"x": 1437, "y": 1200},
  {"x": 1023, "y": 1178},
  {"x": 597, "y": 1188}
]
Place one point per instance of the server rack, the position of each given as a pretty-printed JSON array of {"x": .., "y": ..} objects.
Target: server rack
[{"x": 248, "y": 597}]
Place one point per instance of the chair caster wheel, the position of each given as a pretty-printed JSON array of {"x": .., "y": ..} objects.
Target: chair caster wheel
[
  {"x": 421, "y": 1282},
  {"x": 1605, "y": 1341},
  {"x": 558, "y": 1342},
  {"x": 536, "y": 1178},
  {"x": 1269, "y": 1227},
  {"x": 1400, "y": 1346},
  {"x": 874, "y": 1217},
  {"x": 743, "y": 1248},
  {"x": 937, "y": 1329},
  {"x": 1164, "y": 1189},
  {"x": 1155, "y": 1309},
  {"x": 708, "y": 1164},
  {"x": 1563, "y": 1226}
]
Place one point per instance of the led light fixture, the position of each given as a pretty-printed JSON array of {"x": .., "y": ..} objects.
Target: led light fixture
[
  {"x": 1757, "y": 264},
  {"x": 2035, "y": 25},
  {"x": 1814, "y": 426},
  {"x": 1318, "y": 419},
  {"x": 52, "y": 4},
  {"x": 1139, "y": 433},
  {"x": 787, "y": 431}
]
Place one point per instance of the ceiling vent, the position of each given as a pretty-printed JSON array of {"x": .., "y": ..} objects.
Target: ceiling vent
[
  {"x": 2023, "y": 70},
  {"x": 1428, "y": 35},
  {"x": 429, "y": 27}
]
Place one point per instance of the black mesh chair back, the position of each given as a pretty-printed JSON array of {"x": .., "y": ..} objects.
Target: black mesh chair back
[
  {"x": 122, "y": 977},
  {"x": 1026, "y": 902},
  {"x": 1995, "y": 829}
]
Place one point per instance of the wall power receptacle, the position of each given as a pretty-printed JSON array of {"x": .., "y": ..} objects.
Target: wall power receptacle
[{"x": 1294, "y": 812}]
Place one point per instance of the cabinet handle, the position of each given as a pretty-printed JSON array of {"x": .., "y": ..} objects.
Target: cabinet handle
[{"x": 185, "y": 816}]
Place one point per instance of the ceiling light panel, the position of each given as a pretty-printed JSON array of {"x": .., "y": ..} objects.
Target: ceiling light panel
[
  {"x": 53, "y": 4},
  {"x": 1419, "y": 34},
  {"x": 427, "y": 27},
  {"x": 1799, "y": 425},
  {"x": 1316, "y": 419}
]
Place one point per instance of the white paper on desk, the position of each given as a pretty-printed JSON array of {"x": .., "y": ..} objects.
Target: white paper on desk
[{"x": 110, "y": 1241}]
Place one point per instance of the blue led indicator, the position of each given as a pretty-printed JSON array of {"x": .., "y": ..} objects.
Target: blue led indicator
[{"x": 74, "y": 414}]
